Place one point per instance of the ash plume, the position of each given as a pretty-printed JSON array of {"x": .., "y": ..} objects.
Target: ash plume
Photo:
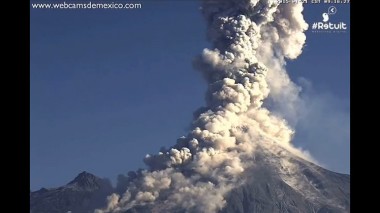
[{"x": 251, "y": 40}]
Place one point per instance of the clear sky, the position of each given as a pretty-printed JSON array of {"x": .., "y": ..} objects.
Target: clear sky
[{"x": 110, "y": 86}]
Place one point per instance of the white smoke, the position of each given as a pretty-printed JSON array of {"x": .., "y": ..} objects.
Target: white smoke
[{"x": 251, "y": 40}]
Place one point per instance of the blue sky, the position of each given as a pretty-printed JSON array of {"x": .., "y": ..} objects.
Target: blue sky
[{"x": 109, "y": 86}]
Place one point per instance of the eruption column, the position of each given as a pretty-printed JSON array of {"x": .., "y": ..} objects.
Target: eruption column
[{"x": 194, "y": 175}]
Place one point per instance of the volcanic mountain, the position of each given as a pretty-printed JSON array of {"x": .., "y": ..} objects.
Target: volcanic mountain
[
  {"x": 83, "y": 194},
  {"x": 278, "y": 181},
  {"x": 237, "y": 156}
]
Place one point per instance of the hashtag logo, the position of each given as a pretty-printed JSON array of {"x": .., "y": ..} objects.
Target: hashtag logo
[{"x": 314, "y": 26}]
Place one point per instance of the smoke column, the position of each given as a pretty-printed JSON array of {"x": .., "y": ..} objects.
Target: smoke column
[{"x": 251, "y": 39}]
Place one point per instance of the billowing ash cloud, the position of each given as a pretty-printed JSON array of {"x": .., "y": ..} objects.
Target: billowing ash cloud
[{"x": 248, "y": 37}]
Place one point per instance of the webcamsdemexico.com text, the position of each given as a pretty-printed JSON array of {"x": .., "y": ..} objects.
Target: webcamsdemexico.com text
[{"x": 87, "y": 5}]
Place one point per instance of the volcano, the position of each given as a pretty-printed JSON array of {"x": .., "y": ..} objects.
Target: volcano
[
  {"x": 278, "y": 181},
  {"x": 237, "y": 156},
  {"x": 83, "y": 194},
  {"x": 282, "y": 182}
]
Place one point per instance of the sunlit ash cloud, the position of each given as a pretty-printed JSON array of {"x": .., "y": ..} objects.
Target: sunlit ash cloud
[{"x": 251, "y": 40}]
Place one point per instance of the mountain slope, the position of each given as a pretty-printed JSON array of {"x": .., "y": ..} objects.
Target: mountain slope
[
  {"x": 85, "y": 193},
  {"x": 281, "y": 182},
  {"x": 278, "y": 181}
]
